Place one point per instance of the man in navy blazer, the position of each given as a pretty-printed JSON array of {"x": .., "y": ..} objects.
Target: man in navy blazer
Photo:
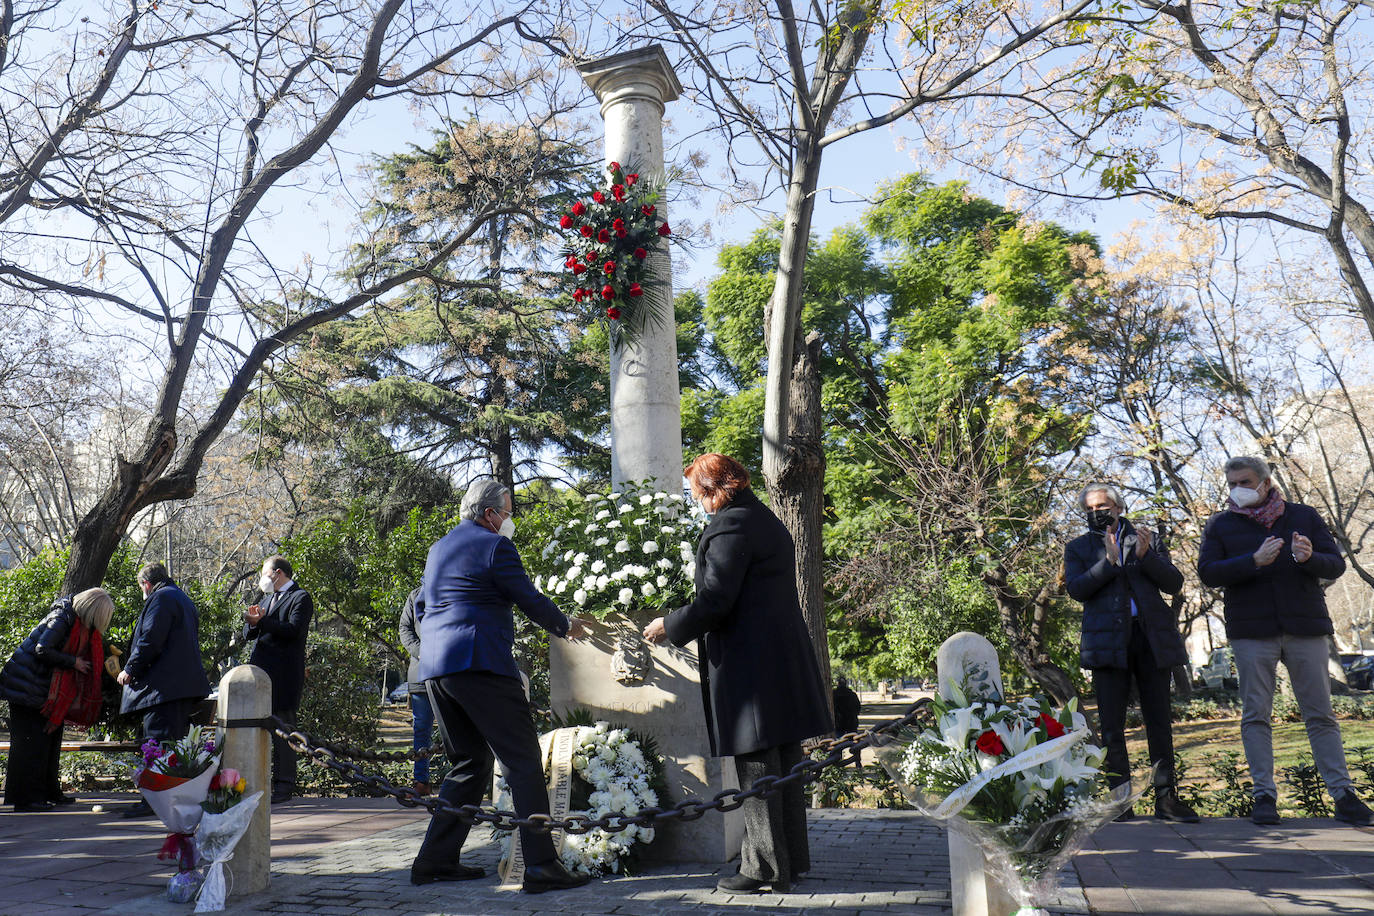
[
  {"x": 472, "y": 577},
  {"x": 278, "y": 625}
]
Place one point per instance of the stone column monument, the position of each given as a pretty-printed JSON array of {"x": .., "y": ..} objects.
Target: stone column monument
[{"x": 614, "y": 673}]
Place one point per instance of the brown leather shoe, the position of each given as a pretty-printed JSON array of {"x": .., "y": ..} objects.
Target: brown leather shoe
[{"x": 419, "y": 787}]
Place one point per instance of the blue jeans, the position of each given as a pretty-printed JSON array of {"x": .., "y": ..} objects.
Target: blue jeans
[{"x": 422, "y": 723}]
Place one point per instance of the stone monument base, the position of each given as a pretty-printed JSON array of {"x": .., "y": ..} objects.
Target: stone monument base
[{"x": 654, "y": 690}]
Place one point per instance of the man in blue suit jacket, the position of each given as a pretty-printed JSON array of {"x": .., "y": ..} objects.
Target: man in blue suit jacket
[{"x": 472, "y": 577}]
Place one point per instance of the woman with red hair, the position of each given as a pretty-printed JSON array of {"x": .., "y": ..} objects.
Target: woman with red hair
[{"x": 760, "y": 682}]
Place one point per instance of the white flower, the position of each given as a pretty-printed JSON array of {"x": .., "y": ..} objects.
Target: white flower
[
  {"x": 562, "y": 587},
  {"x": 553, "y": 584},
  {"x": 665, "y": 563},
  {"x": 590, "y": 528},
  {"x": 598, "y": 566},
  {"x": 601, "y": 542},
  {"x": 651, "y": 546},
  {"x": 538, "y": 583},
  {"x": 580, "y": 596},
  {"x": 645, "y": 499},
  {"x": 548, "y": 550},
  {"x": 647, "y": 589},
  {"x": 574, "y": 573},
  {"x": 603, "y": 514},
  {"x": 622, "y": 547},
  {"x": 589, "y": 584},
  {"x": 613, "y": 523},
  {"x": 623, "y": 508},
  {"x": 626, "y": 596},
  {"x": 691, "y": 570},
  {"x": 641, "y": 521},
  {"x": 602, "y": 581},
  {"x": 662, "y": 581},
  {"x": 666, "y": 529}
]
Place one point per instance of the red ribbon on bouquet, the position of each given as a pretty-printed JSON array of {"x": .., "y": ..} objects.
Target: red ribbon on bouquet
[{"x": 181, "y": 848}]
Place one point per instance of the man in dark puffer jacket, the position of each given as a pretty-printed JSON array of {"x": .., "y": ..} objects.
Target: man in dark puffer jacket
[
  {"x": 1129, "y": 633},
  {"x": 1269, "y": 556}
]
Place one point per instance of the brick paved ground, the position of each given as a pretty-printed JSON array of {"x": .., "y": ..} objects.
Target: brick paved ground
[{"x": 351, "y": 857}]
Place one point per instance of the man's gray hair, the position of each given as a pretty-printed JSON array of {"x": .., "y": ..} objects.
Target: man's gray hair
[
  {"x": 483, "y": 493},
  {"x": 1249, "y": 463},
  {"x": 1099, "y": 487}
]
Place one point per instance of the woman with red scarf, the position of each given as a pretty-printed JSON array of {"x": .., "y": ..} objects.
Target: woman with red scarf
[{"x": 53, "y": 679}]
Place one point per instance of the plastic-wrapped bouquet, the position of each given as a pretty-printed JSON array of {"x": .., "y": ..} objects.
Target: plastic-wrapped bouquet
[
  {"x": 1021, "y": 780},
  {"x": 175, "y": 778},
  {"x": 633, "y": 548},
  {"x": 226, "y": 818}
]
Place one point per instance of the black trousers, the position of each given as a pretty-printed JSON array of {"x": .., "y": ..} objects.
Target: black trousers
[
  {"x": 485, "y": 717},
  {"x": 775, "y": 848},
  {"x": 1113, "y": 689},
  {"x": 168, "y": 721},
  {"x": 31, "y": 771},
  {"x": 283, "y": 755}
]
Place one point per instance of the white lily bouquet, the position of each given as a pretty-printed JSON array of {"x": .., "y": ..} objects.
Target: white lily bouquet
[
  {"x": 1021, "y": 780},
  {"x": 632, "y": 548}
]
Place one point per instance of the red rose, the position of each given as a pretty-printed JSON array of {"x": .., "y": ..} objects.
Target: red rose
[
  {"x": 636, "y": 289},
  {"x": 565, "y": 222},
  {"x": 664, "y": 230},
  {"x": 641, "y": 253},
  {"x": 579, "y": 208},
  {"x": 618, "y": 224},
  {"x": 603, "y": 236},
  {"x": 647, "y": 209},
  {"x": 570, "y": 260},
  {"x": 579, "y": 294},
  {"x": 609, "y": 268},
  {"x": 578, "y": 268},
  {"x": 591, "y": 257},
  {"x": 608, "y": 292},
  {"x": 990, "y": 744},
  {"x": 1051, "y": 725},
  {"x": 613, "y": 313},
  {"x": 615, "y": 166},
  {"x": 586, "y": 231},
  {"x": 621, "y": 233},
  {"x": 630, "y": 179},
  {"x": 598, "y": 197},
  {"x": 618, "y": 191}
]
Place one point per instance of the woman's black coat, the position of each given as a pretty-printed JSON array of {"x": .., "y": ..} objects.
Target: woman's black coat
[
  {"x": 760, "y": 682},
  {"x": 1106, "y": 590},
  {"x": 28, "y": 674}
]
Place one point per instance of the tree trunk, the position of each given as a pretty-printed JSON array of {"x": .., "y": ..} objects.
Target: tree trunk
[
  {"x": 1026, "y": 642},
  {"x": 798, "y": 495},
  {"x": 98, "y": 534}
]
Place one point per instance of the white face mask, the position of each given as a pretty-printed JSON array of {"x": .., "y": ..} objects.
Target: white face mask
[
  {"x": 1244, "y": 497},
  {"x": 507, "y": 529},
  {"x": 265, "y": 584}
]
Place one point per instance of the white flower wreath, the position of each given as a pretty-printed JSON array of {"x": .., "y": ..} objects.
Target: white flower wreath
[{"x": 616, "y": 768}]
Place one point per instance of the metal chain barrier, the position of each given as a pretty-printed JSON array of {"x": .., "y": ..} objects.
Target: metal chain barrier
[{"x": 340, "y": 758}]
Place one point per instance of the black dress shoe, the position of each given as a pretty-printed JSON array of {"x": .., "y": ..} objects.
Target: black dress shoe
[
  {"x": 140, "y": 808},
  {"x": 33, "y": 807},
  {"x": 427, "y": 874},
  {"x": 281, "y": 797},
  {"x": 741, "y": 884},
  {"x": 550, "y": 876},
  {"x": 63, "y": 800},
  {"x": 1168, "y": 807}
]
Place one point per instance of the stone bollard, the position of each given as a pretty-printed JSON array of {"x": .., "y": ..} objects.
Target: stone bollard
[
  {"x": 968, "y": 658},
  {"x": 245, "y": 693}
]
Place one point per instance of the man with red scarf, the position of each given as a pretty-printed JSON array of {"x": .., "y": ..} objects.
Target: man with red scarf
[{"x": 1269, "y": 557}]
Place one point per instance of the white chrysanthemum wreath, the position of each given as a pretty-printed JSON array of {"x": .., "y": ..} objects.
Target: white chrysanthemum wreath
[{"x": 614, "y": 773}]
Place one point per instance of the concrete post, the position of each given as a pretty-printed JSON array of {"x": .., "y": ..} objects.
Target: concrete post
[
  {"x": 646, "y": 422},
  {"x": 246, "y": 693}
]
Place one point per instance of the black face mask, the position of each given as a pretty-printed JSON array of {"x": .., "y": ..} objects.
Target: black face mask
[{"x": 1100, "y": 519}]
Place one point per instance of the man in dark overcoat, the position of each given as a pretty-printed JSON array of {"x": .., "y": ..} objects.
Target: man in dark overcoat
[
  {"x": 1129, "y": 634},
  {"x": 279, "y": 625},
  {"x": 163, "y": 678},
  {"x": 1270, "y": 556}
]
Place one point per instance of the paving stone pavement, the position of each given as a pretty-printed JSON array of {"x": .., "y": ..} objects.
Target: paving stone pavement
[{"x": 863, "y": 862}]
